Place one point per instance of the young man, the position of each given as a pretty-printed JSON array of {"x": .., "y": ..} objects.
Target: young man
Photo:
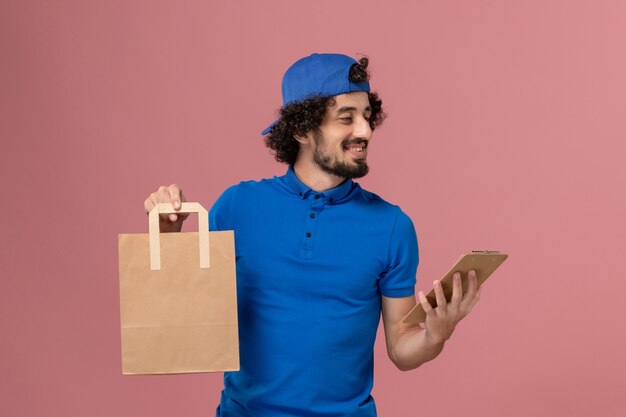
[{"x": 318, "y": 258}]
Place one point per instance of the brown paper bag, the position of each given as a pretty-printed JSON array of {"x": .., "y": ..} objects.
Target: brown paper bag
[{"x": 178, "y": 299}]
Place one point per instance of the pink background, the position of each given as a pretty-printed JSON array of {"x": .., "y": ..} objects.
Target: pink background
[{"x": 506, "y": 131}]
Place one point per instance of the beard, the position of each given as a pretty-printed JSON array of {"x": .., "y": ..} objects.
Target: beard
[{"x": 330, "y": 163}]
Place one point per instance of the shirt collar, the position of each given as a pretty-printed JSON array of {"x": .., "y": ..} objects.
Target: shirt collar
[{"x": 303, "y": 191}]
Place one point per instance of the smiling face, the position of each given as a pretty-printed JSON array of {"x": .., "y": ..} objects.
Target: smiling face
[{"x": 340, "y": 146}]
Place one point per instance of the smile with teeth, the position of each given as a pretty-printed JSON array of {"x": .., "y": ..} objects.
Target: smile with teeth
[{"x": 356, "y": 148}]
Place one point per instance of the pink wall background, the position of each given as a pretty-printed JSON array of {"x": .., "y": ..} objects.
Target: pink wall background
[{"x": 506, "y": 131}]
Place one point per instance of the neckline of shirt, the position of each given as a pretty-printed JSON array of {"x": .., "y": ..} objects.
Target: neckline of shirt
[{"x": 303, "y": 191}]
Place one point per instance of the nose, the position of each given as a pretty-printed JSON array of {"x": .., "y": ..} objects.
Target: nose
[{"x": 362, "y": 128}]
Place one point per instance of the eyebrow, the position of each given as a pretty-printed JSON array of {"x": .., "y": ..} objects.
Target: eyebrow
[{"x": 351, "y": 108}]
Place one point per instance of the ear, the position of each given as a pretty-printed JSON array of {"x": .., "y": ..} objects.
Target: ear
[{"x": 304, "y": 140}]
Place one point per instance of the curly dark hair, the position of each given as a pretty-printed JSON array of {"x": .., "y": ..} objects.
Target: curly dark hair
[{"x": 302, "y": 117}]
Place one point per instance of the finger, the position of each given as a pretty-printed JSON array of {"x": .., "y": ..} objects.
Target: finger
[
  {"x": 424, "y": 302},
  {"x": 163, "y": 196},
  {"x": 472, "y": 302},
  {"x": 457, "y": 289},
  {"x": 472, "y": 284},
  {"x": 177, "y": 201},
  {"x": 472, "y": 287},
  {"x": 439, "y": 295},
  {"x": 155, "y": 201},
  {"x": 175, "y": 196},
  {"x": 148, "y": 204}
]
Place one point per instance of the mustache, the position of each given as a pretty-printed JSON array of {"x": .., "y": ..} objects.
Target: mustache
[{"x": 356, "y": 141}]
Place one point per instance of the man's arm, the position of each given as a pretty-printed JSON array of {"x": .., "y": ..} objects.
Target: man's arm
[{"x": 409, "y": 345}]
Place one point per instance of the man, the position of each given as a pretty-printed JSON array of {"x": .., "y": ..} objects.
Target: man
[{"x": 318, "y": 258}]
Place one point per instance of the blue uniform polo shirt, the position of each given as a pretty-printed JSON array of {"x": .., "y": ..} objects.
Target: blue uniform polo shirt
[{"x": 311, "y": 268}]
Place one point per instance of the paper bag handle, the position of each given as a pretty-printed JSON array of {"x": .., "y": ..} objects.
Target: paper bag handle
[{"x": 155, "y": 241}]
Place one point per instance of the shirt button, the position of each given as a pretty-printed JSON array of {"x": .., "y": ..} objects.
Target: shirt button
[
  {"x": 300, "y": 194},
  {"x": 330, "y": 199},
  {"x": 312, "y": 215},
  {"x": 317, "y": 196},
  {"x": 308, "y": 234}
]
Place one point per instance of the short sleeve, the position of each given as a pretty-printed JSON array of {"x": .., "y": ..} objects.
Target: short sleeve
[
  {"x": 398, "y": 279},
  {"x": 221, "y": 216}
]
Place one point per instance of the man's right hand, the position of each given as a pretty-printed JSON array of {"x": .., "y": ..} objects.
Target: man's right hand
[{"x": 172, "y": 194}]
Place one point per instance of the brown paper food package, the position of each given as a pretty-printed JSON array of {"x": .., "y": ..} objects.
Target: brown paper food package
[{"x": 180, "y": 318}]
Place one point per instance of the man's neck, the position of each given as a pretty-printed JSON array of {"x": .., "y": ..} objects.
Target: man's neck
[{"x": 314, "y": 177}]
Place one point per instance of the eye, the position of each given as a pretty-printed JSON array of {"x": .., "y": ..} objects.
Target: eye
[{"x": 347, "y": 119}]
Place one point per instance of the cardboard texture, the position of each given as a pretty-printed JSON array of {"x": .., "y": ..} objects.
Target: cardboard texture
[
  {"x": 483, "y": 262},
  {"x": 178, "y": 302}
]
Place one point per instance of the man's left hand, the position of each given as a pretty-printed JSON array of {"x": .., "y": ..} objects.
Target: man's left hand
[{"x": 442, "y": 319}]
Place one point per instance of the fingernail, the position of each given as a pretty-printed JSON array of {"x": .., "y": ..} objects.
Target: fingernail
[
  {"x": 173, "y": 217},
  {"x": 176, "y": 204}
]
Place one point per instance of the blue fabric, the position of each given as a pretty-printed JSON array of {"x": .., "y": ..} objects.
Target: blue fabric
[
  {"x": 309, "y": 307},
  {"x": 318, "y": 75}
]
